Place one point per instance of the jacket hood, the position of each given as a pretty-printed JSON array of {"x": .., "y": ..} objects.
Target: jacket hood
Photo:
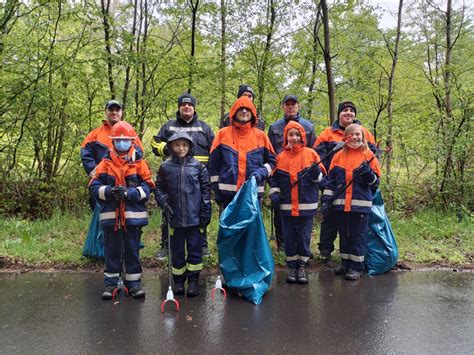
[
  {"x": 181, "y": 135},
  {"x": 242, "y": 102},
  {"x": 290, "y": 125}
]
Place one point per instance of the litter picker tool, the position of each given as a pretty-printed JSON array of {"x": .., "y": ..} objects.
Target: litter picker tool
[
  {"x": 218, "y": 287},
  {"x": 169, "y": 293},
  {"x": 120, "y": 283}
]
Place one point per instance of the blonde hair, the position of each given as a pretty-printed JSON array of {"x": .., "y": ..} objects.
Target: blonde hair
[{"x": 350, "y": 129}]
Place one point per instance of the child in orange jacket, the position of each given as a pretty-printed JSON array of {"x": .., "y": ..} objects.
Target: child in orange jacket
[
  {"x": 294, "y": 192},
  {"x": 353, "y": 178}
]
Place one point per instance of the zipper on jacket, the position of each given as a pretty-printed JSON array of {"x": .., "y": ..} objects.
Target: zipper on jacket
[{"x": 183, "y": 202}]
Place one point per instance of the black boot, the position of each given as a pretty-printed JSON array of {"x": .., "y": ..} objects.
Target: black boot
[
  {"x": 291, "y": 276},
  {"x": 301, "y": 277},
  {"x": 193, "y": 285},
  {"x": 178, "y": 287},
  {"x": 137, "y": 292},
  {"x": 110, "y": 292}
]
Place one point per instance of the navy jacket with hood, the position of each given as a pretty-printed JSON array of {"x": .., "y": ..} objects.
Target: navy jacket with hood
[{"x": 184, "y": 185}]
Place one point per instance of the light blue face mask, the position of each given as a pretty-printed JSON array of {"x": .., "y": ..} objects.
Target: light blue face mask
[{"x": 122, "y": 145}]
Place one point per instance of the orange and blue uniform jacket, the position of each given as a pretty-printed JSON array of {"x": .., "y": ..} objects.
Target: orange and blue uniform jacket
[
  {"x": 345, "y": 166},
  {"x": 130, "y": 171},
  {"x": 237, "y": 152},
  {"x": 96, "y": 145},
  {"x": 328, "y": 139},
  {"x": 297, "y": 188}
]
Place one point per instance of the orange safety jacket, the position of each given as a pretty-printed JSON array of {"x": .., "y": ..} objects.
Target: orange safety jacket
[
  {"x": 238, "y": 151},
  {"x": 96, "y": 145},
  {"x": 291, "y": 173},
  {"x": 345, "y": 166}
]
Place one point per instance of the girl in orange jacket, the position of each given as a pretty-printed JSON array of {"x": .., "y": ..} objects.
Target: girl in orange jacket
[
  {"x": 353, "y": 178},
  {"x": 294, "y": 191}
]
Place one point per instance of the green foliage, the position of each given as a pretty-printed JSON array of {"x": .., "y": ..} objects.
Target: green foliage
[{"x": 428, "y": 236}]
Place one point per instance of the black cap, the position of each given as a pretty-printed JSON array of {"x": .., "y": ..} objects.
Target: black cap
[
  {"x": 290, "y": 97},
  {"x": 345, "y": 104},
  {"x": 244, "y": 88},
  {"x": 186, "y": 98},
  {"x": 111, "y": 103}
]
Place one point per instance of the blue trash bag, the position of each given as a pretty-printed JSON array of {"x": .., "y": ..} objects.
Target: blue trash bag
[
  {"x": 382, "y": 250},
  {"x": 94, "y": 244},
  {"x": 245, "y": 257}
]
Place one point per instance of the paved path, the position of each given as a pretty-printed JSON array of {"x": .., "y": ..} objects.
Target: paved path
[{"x": 409, "y": 313}]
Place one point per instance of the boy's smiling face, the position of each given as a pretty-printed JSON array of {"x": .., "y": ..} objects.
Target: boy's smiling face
[{"x": 180, "y": 147}]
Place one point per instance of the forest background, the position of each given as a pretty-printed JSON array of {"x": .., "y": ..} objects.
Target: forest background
[{"x": 413, "y": 85}]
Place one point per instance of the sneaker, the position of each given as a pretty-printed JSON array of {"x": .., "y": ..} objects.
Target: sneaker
[
  {"x": 193, "y": 286},
  {"x": 340, "y": 270},
  {"x": 352, "y": 275},
  {"x": 291, "y": 276},
  {"x": 301, "y": 277},
  {"x": 137, "y": 292},
  {"x": 109, "y": 293},
  {"x": 162, "y": 254},
  {"x": 205, "y": 252}
]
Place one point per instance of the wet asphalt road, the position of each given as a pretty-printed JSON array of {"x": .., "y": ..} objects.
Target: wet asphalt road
[{"x": 409, "y": 313}]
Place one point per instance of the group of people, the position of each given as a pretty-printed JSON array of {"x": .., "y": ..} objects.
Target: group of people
[{"x": 290, "y": 158}]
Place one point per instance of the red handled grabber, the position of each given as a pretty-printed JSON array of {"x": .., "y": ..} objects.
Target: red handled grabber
[
  {"x": 218, "y": 287},
  {"x": 169, "y": 294}
]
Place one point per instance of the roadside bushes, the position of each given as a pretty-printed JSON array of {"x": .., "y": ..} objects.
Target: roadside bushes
[{"x": 38, "y": 199}]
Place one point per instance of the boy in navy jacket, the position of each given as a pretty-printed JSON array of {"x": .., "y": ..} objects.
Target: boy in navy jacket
[{"x": 182, "y": 191}]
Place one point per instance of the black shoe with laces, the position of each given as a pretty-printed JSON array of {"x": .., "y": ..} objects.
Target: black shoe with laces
[
  {"x": 301, "y": 277},
  {"x": 352, "y": 275},
  {"x": 291, "y": 276},
  {"x": 137, "y": 292}
]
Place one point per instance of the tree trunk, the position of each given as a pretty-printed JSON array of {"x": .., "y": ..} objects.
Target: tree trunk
[
  {"x": 391, "y": 80},
  {"x": 194, "y": 6},
  {"x": 223, "y": 59},
  {"x": 130, "y": 50},
  {"x": 328, "y": 64},
  {"x": 105, "y": 6},
  {"x": 314, "y": 61},
  {"x": 271, "y": 10}
]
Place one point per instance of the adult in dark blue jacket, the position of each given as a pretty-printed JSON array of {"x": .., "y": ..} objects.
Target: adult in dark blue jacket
[
  {"x": 186, "y": 121},
  {"x": 183, "y": 192},
  {"x": 290, "y": 107}
]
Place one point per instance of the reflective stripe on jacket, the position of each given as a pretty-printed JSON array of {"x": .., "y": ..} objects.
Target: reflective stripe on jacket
[
  {"x": 132, "y": 173},
  {"x": 328, "y": 139},
  {"x": 199, "y": 131},
  {"x": 345, "y": 166},
  {"x": 238, "y": 151},
  {"x": 184, "y": 185},
  {"x": 292, "y": 165},
  {"x": 96, "y": 145}
]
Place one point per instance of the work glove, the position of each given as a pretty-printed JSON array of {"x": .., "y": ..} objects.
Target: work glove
[
  {"x": 325, "y": 209},
  {"x": 260, "y": 175},
  {"x": 119, "y": 192},
  {"x": 366, "y": 173},
  {"x": 314, "y": 172},
  {"x": 275, "y": 198},
  {"x": 168, "y": 211}
]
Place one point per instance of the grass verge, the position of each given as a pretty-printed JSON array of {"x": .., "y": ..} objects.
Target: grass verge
[{"x": 428, "y": 237}]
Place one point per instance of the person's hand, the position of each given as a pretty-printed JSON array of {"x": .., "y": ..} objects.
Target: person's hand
[
  {"x": 367, "y": 174},
  {"x": 168, "y": 211},
  {"x": 314, "y": 171},
  {"x": 275, "y": 198},
  {"x": 119, "y": 192},
  {"x": 260, "y": 175}
]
